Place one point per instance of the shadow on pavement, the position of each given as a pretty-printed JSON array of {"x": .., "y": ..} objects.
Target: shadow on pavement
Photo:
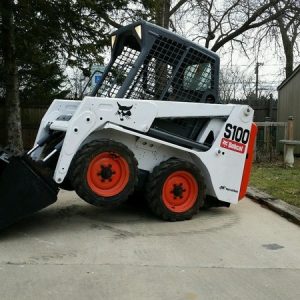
[{"x": 131, "y": 219}]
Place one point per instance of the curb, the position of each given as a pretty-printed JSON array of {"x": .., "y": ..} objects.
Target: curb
[{"x": 291, "y": 212}]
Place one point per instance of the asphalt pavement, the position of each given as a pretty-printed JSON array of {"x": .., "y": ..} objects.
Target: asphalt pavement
[{"x": 72, "y": 250}]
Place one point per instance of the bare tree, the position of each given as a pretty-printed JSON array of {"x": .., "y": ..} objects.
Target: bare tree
[
  {"x": 159, "y": 12},
  {"x": 288, "y": 24},
  {"x": 229, "y": 84},
  {"x": 214, "y": 22},
  {"x": 235, "y": 84},
  {"x": 282, "y": 33},
  {"x": 220, "y": 22}
]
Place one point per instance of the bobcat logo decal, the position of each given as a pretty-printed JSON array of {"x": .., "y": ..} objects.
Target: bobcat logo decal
[{"x": 124, "y": 111}]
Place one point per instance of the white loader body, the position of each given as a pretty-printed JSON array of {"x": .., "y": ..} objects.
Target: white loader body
[{"x": 129, "y": 122}]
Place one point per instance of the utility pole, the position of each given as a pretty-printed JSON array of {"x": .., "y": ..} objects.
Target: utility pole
[
  {"x": 256, "y": 81},
  {"x": 271, "y": 107}
]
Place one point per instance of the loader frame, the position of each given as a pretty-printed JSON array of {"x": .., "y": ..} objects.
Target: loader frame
[
  {"x": 159, "y": 97},
  {"x": 97, "y": 118}
]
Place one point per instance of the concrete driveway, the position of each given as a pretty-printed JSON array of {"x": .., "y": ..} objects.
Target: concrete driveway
[{"x": 75, "y": 251}]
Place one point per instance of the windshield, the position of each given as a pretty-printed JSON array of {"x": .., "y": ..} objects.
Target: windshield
[{"x": 197, "y": 77}]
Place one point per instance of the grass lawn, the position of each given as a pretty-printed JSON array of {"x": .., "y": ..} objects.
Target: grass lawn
[{"x": 278, "y": 181}]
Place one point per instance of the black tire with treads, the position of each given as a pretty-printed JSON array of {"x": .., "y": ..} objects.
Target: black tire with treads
[
  {"x": 155, "y": 184},
  {"x": 80, "y": 165}
]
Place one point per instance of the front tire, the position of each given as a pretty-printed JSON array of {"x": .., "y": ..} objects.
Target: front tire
[
  {"x": 104, "y": 173},
  {"x": 175, "y": 190}
]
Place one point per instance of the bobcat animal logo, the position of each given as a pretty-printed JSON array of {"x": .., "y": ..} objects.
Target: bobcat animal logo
[{"x": 124, "y": 111}]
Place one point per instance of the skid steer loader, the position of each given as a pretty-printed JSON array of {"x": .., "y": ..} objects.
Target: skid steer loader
[{"x": 153, "y": 122}]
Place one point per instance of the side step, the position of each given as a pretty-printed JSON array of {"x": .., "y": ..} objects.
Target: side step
[{"x": 25, "y": 188}]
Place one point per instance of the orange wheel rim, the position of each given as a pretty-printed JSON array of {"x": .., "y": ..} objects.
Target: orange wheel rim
[
  {"x": 108, "y": 174},
  {"x": 180, "y": 191}
]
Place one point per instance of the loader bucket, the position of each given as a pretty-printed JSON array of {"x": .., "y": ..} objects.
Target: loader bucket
[{"x": 25, "y": 188}]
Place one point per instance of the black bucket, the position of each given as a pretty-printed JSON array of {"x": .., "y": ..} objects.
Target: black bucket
[
  {"x": 4, "y": 160},
  {"x": 25, "y": 188}
]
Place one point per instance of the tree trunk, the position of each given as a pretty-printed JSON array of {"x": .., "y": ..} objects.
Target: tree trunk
[
  {"x": 12, "y": 101},
  {"x": 162, "y": 13},
  {"x": 288, "y": 45},
  {"x": 162, "y": 18},
  {"x": 289, "y": 62}
]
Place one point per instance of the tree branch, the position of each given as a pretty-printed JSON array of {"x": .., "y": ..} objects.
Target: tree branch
[
  {"x": 176, "y": 7},
  {"x": 249, "y": 24},
  {"x": 111, "y": 22}
]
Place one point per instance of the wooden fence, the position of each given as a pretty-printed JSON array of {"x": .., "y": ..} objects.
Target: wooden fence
[
  {"x": 263, "y": 108},
  {"x": 31, "y": 118}
]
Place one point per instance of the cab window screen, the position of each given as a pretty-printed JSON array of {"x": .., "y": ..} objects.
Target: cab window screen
[{"x": 197, "y": 77}]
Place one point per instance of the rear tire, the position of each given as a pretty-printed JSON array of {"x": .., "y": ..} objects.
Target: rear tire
[
  {"x": 175, "y": 190},
  {"x": 104, "y": 173}
]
